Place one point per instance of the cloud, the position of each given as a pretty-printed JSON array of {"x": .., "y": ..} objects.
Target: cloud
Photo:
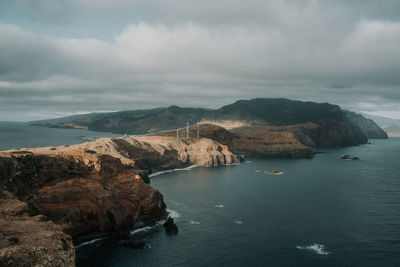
[{"x": 308, "y": 50}]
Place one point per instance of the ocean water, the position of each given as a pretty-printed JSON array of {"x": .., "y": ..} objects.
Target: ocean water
[
  {"x": 20, "y": 134},
  {"x": 320, "y": 212}
]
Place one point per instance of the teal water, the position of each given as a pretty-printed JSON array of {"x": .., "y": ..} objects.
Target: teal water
[
  {"x": 234, "y": 216},
  {"x": 20, "y": 134}
]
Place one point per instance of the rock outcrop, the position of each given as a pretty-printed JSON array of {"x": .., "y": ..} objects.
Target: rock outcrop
[
  {"x": 170, "y": 226},
  {"x": 80, "y": 191},
  {"x": 31, "y": 241}
]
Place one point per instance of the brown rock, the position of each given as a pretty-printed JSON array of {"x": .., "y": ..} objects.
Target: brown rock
[
  {"x": 25, "y": 241},
  {"x": 96, "y": 186}
]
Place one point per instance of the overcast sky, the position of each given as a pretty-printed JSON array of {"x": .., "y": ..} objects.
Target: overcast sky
[{"x": 61, "y": 58}]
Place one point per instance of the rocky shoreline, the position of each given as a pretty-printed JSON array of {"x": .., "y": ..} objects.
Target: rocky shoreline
[
  {"x": 103, "y": 186},
  {"x": 100, "y": 186}
]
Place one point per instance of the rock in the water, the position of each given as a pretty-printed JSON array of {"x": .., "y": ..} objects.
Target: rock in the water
[
  {"x": 348, "y": 157},
  {"x": 170, "y": 226},
  {"x": 241, "y": 158}
]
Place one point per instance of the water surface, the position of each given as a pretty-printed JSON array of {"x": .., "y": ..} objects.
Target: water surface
[
  {"x": 20, "y": 134},
  {"x": 234, "y": 216}
]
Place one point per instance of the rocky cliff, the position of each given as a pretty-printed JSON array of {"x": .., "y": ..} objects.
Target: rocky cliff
[
  {"x": 96, "y": 186},
  {"x": 368, "y": 126},
  {"x": 251, "y": 140},
  {"x": 31, "y": 241}
]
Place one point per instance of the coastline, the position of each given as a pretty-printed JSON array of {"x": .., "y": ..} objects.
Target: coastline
[
  {"x": 115, "y": 164},
  {"x": 85, "y": 188}
]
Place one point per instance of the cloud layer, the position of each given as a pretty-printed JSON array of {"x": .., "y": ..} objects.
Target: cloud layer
[{"x": 189, "y": 54}]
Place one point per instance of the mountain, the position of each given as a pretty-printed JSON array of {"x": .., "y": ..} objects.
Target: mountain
[
  {"x": 314, "y": 124},
  {"x": 276, "y": 111},
  {"x": 391, "y": 126},
  {"x": 368, "y": 126},
  {"x": 130, "y": 122}
]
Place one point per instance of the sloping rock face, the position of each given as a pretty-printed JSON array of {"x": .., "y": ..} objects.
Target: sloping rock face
[
  {"x": 253, "y": 140},
  {"x": 368, "y": 126},
  {"x": 96, "y": 186},
  {"x": 31, "y": 241},
  {"x": 201, "y": 152},
  {"x": 91, "y": 187},
  {"x": 81, "y": 192}
]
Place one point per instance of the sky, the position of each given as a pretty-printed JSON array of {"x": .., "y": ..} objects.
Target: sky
[{"x": 60, "y": 58}]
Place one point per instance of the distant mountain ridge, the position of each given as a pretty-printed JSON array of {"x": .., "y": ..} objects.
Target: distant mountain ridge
[
  {"x": 329, "y": 123},
  {"x": 368, "y": 126},
  {"x": 276, "y": 111},
  {"x": 389, "y": 125}
]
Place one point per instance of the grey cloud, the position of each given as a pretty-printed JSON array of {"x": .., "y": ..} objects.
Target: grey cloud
[{"x": 329, "y": 51}]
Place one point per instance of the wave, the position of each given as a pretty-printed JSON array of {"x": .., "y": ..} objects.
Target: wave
[
  {"x": 173, "y": 170},
  {"x": 238, "y": 222},
  {"x": 143, "y": 229},
  {"x": 90, "y": 242},
  {"x": 173, "y": 213},
  {"x": 218, "y": 206},
  {"x": 194, "y": 222},
  {"x": 318, "y": 248}
]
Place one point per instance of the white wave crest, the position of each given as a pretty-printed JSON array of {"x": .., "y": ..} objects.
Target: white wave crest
[
  {"x": 218, "y": 206},
  {"x": 318, "y": 248},
  {"x": 173, "y": 170},
  {"x": 143, "y": 229},
  {"x": 173, "y": 213},
  {"x": 238, "y": 222},
  {"x": 90, "y": 242},
  {"x": 194, "y": 222}
]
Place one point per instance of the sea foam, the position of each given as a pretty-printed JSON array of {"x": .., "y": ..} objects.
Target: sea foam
[
  {"x": 173, "y": 213},
  {"x": 173, "y": 170},
  {"x": 317, "y": 248},
  {"x": 143, "y": 229},
  {"x": 91, "y": 242}
]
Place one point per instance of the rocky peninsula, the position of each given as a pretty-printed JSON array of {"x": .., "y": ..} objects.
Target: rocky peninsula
[{"x": 67, "y": 191}]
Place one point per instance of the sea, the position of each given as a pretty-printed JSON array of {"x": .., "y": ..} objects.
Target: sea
[
  {"x": 324, "y": 211},
  {"x": 22, "y": 135}
]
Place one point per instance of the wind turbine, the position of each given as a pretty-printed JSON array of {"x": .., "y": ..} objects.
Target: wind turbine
[{"x": 187, "y": 130}]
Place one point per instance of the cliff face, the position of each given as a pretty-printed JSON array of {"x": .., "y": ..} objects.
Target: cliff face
[
  {"x": 337, "y": 131},
  {"x": 92, "y": 187},
  {"x": 252, "y": 140},
  {"x": 96, "y": 186},
  {"x": 368, "y": 126},
  {"x": 31, "y": 241},
  {"x": 80, "y": 191}
]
